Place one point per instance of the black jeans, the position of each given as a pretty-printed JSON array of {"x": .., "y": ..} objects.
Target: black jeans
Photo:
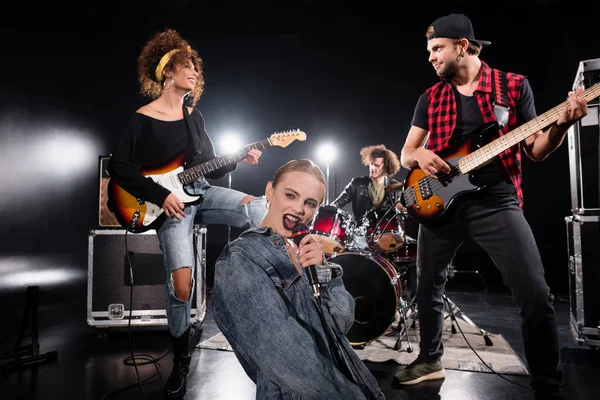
[{"x": 496, "y": 223}]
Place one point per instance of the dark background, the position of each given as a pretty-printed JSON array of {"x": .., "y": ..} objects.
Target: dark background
[{"x": 348, "y": 74}]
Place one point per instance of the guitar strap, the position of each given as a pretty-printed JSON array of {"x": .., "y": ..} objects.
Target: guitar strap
[
  {"x": 500, "y": 94},
  {"x": 191, "y": 142}
]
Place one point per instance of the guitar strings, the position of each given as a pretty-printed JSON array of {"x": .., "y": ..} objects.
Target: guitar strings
[
  {"x": 435, "y": 184},
  {"x": 190, "y": 175}
]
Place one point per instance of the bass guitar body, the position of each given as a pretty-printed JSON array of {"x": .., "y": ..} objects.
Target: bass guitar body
[{"x": 429, "y": 200}]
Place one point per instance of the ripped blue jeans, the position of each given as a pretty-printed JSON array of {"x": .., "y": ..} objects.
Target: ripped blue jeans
[{"x": 218, "y": 206}]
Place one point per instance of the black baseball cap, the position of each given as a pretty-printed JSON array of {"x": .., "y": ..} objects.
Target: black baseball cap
[{"x": 455, "y": 26}]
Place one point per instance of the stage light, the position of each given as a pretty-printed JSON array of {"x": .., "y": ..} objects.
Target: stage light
[
  {"x": 51, "y": 159},
  {"x": 23, "y": 271},
  {"x": 326, "y": 152},
  {"x": 230, "y": 143},
  {"x": 64, "y": 153}
]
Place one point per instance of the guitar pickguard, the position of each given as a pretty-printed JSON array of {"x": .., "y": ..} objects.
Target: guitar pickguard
[{"x": 171, "y": 182}]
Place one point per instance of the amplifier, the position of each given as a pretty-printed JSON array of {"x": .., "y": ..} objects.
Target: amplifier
[
  {"x": 588, "y": 74},
  {"x": 109, "y": 281},
  {"x": 583, "y": 241},
  {"x": 106, "y": 219},
  {"x": 584, "y": 163},
  {"x": 584, "y": 146}
]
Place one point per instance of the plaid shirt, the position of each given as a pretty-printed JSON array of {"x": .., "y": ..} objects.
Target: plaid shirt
[{"x": 442, "y": 118}]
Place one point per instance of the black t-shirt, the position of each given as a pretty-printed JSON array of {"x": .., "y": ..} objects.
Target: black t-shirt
[{"x": 469, "y": 118}]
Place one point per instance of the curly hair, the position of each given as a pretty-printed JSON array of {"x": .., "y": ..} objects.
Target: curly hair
[
  {"x": 154, "y": 49},
  {"x": 390, "y": 159}
]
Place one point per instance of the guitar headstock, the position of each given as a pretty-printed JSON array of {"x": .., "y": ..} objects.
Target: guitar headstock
[{"x": 283, "y": 139}]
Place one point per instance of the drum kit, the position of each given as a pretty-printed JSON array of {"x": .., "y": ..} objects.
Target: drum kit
[{"x": 376, "y": 256}]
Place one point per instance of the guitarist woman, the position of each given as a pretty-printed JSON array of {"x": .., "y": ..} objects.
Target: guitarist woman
[
  {"x": 446, "y": 113},
  {"x": 170, "y": 72}
]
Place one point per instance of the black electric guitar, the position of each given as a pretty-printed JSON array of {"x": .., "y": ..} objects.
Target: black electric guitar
[
  {"x": 138, "y": 215},
  {"x": 428, "y": 199}
]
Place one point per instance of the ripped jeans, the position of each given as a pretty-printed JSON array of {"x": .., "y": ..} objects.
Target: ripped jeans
[{"x": 218, "y": 206}]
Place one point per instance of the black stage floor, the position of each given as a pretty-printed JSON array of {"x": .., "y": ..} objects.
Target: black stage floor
[{"x": 89, "y": 366}]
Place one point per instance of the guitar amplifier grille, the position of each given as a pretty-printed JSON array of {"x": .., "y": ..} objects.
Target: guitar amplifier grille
[{"x": 106, "y": 219}]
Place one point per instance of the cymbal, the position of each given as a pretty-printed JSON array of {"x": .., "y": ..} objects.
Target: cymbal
[{"x": 395, "y": 187}]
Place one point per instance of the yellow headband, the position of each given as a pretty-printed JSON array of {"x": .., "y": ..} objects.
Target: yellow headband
[{"x": 164, "y": 61}]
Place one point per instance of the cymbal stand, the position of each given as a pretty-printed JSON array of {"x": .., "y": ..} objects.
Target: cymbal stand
[
  {"x": 454, "y": 311},
  {"x": 403, "y": 305}
]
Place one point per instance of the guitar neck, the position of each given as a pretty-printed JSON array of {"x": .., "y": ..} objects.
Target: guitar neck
[
  {"x": 491, "y": 150},
  {"x": 193, "y": 173}
]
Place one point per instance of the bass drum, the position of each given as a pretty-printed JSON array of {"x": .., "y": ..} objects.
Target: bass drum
[{"x": 376, "y": 288}]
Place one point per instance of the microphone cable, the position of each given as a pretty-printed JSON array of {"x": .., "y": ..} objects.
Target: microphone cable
[
  {"x": 445, "y": 298},
  {"x": 145, "y": 359},
  {"x": 378, "y": 222}
]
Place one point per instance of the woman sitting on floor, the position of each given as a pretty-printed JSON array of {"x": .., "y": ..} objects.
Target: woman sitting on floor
[{"x": 289, "y": 344}]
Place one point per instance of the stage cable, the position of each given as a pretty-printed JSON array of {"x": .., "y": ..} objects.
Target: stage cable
[
  {"x": 376, "y": 228},
  {"x": 475, "y": 351},
  {"x": 445, "y": 298},
  {"x": 144, "y": 359}
]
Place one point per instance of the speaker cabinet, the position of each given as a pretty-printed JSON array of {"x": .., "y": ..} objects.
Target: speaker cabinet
[
  {"x": 584, "y": 163},
  {"x": 583, "y": 241},
  {"x": 109, "y": 278}
]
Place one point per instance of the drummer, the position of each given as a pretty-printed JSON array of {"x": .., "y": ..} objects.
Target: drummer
[{"x": 379, "y": 189}]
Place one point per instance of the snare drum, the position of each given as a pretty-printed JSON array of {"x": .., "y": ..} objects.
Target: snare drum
[
  {"x": 376, "y": 288},
  {"x": 384, "y": 229},
  {"x": 332, "y": 226}
]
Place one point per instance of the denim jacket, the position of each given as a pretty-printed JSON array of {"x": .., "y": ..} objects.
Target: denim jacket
[{"x": 269, "y": 315}]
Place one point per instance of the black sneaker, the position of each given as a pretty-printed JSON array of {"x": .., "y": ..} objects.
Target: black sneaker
[{"x": 419, "y": 371}]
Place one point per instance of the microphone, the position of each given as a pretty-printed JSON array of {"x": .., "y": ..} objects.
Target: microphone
[{"x": 298, "y": 232}]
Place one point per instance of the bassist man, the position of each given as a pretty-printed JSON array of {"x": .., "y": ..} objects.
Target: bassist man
[{"x": 449, "y": 112}]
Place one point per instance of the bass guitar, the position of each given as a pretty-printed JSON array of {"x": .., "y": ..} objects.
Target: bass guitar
[
  {"x": 428, "y": 199},
  {"x": 137, "y": 215}
]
